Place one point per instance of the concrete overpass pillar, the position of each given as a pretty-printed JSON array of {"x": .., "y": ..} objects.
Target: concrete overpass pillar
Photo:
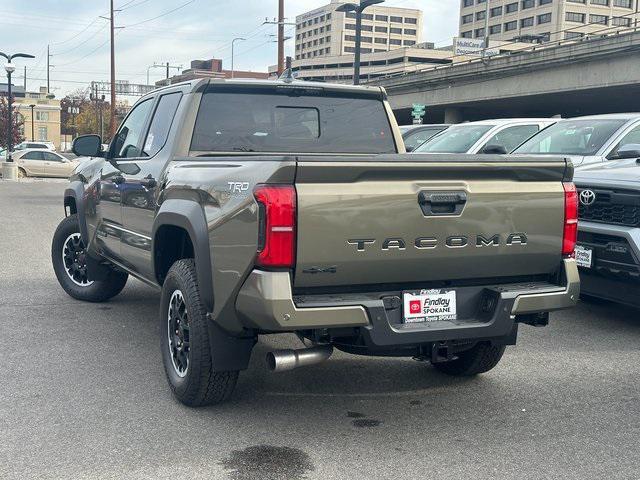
[{"x": 452, "y": 115}]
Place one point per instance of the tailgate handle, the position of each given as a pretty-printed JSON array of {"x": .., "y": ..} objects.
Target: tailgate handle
[{"x": 435, "y": 204}]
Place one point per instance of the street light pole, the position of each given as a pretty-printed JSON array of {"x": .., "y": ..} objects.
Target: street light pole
[
  {"x": 10, "y": 68},
  {"x": 232, "y": 53},
  {"x": 33, "y": 136},
  {"x": 358, "y": 9}
]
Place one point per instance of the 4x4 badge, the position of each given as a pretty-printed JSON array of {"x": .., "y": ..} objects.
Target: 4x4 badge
[{"x": 587, "y": 197}]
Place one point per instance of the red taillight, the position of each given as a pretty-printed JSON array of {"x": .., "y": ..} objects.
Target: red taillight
[
  {"x": 277, "y": 245},
  {"x": 570, "y": 235}
]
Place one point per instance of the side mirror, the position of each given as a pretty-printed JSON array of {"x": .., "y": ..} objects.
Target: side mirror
[
  {"x": 87, "y": 146},
  {"x": 494, "y": 150},
  {"x": 409, "y": 148},
  {"x": 631, "y": 150}
]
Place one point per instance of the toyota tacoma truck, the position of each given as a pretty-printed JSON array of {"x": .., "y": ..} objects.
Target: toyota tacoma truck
[{"x": 264, "y": 207}]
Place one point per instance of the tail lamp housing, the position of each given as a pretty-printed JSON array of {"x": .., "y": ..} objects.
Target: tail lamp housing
[
  {"x": 277, "y": 225},
  {"x": 570, "y": 234}
]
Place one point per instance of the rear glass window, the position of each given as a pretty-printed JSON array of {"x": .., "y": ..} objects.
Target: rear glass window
[
  {"x": 291, "y": 121},
  {"x": 457, "y": 139}
]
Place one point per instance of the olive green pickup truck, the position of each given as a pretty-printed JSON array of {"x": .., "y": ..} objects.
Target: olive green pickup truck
[{"x": 263, "y": 207}]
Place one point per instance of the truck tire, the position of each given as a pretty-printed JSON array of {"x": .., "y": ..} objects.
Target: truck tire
[
  {"x": 184, "y": 341},
  {"x": 479, "y": 359},
  {"x": 68, "y": 257}
]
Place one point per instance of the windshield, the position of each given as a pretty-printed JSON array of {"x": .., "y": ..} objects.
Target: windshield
[
  {"x": 457, "y": 139},
  {"x": 572, "y": 137}
]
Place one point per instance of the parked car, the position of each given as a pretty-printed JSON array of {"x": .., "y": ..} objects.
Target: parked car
[
  {"x": 488, "y": 136},
  {"x": 416, "y": 135},
  {"x": 264, "y": 207},
  {"x": 35, "y": 145},
  {"x": 588, "y": 141},
  {"x": 608, "y": 251},
  {"x": 43, "y": 163}
]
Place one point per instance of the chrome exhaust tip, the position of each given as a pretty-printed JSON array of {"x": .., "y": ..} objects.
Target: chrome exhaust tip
[{"x": 286, "y": 360}]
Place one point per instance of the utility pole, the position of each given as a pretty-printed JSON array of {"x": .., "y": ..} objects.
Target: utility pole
[
  {"x": 167, "y": 70},
  {"x": 112, "y": 120},
  {"x": 48, "y": 68},
  {"x": 280, "y": 37},
  {"x": 25, "y": 78},
  {"x": 33, "y": 135}
]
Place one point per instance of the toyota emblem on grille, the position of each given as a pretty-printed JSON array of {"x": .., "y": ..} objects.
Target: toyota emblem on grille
[{"x": 587, "y": 197}]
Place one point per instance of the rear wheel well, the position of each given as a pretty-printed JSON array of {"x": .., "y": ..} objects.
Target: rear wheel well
[
  {"x": 70, "y": 207},
  {"x": 171, "y": 244}
]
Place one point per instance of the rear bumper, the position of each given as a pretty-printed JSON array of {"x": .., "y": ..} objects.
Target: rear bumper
[{"x": 265, "y": 302}]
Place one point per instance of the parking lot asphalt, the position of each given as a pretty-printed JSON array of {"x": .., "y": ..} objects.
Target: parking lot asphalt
[{"x": 84, "y": 395}]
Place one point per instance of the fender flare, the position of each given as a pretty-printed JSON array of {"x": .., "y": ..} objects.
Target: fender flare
[
  {"x": 75, "y": 190},
  {"x": 189, "y": 216}
]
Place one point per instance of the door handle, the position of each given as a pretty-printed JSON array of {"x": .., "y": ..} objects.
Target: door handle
[
  {"x": 148, "y": 182},
  {"x": 442, "y": 203},
  {"x": 118, "y": 180}
]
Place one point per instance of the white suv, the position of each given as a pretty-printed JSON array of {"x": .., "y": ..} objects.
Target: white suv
[{"x": 38, "y": 145}]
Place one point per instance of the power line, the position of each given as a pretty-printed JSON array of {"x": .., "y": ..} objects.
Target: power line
[{"x": 161, "y": 15}]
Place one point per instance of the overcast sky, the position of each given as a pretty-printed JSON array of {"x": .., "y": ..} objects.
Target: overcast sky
[{"x": 184, "y": 30}]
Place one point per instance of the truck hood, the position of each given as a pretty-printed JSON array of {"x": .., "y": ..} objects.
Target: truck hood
[{"x": 613, "y": 172}]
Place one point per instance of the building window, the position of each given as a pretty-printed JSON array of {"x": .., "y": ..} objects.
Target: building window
[
  {"x": 328, "y": 16},
  {"x": 367, "y": 16},
  {"x": 395, "y": 41},
  {"x": 479, "y": 33},
  {"x": 350, "y": 26},
  {"x": 42, "y": 134},
  {"x": 382, "y": 29},
  {"x": 349, "y": 49},
  {"x": 493, "y": 29},
  {"x": 467, "y": 34},
  {"x": 575, "y": 17},
  {"x": 495, "y": 12},
  {"x": 409, "y": 31},
  {"x": 327, "y": 50},
  {"x": 481, "y": 15},
  {"x": 381, "y": 40},
  {"x": 599, "y": 19},
  {"x": 545, "y": 2},
  {"x": 600, "y": 2},
  {"x": 528, "y": 4},
  {"x": 396, "y": 19},
  {"x": 512, "y": 7},
  {"x": 412, "y": 21},
  {"x": 42, "y": 116},
  {"x": 409, "y": 43},
  {"x": 572, "y": 35},
  {"x": 467, "y": 18},
  {"x": 328, "y": 27},
  {"x": 396, "y": 30},
  {"x": 510, "y": 26},
  {"x": 544, "y": 18},
  {"x": 621, "y": 21},
  {"x": 467, "y": 3},
  {"x": 526, "y": 22},
  {"x": 623, "y": 3},
  {"x": 382, "y": 18}
]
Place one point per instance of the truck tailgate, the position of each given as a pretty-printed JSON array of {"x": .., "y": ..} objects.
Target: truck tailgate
[{"x": 418, "y": 218}]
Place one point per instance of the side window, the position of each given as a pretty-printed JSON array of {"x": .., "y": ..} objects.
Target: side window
[
  {"x": 633, "y": 137},
  {"x": 161, "y": 123},
  {"x": 33, "y": 156},
  {"x": 130, "y": 133},
  {"x": 51, "y": 157},
  {"x": 512, "y": 137}
]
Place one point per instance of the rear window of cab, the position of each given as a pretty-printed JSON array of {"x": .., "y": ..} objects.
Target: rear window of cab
[{"x": 291, "y": 120}]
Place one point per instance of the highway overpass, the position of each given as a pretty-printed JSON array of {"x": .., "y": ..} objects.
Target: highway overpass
[{"x": 570, "y": 78}]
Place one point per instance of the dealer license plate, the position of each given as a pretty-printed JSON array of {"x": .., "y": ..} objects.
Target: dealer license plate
[
  {"x": 584, "y": 256},
  {"x": 429, "y": 306}
]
